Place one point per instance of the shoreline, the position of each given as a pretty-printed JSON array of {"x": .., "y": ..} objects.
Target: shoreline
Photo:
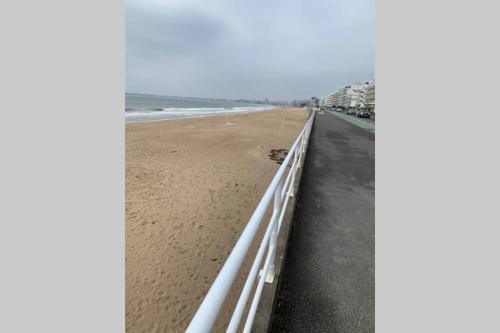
[{"x": 215, "y": 114}]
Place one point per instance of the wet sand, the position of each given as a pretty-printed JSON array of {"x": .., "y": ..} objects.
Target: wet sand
[{"x": 191, "y": 186}]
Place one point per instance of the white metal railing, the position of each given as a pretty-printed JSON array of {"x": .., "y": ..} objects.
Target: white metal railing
[{"x": 281, "y": 189}]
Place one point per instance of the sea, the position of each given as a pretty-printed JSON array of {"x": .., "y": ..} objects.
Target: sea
[{"x": 144, "y": 108}]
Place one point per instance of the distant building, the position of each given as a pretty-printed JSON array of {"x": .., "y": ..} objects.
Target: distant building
[
  {"x": 354, "y": 96},
  {"x": 314, "y": 101},
  {"x": 329, "y": 100},
  {"x": 347, "y": 97},
  {"x": 369, "y": 96},
  {"x": 351, "y": 96},
  {"x": 322, "y": 102},
  {"x": 336, "y": 98}
]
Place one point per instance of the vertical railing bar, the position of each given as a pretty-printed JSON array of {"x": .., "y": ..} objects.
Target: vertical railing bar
[
  {"x": 289, "y": 174},
  {"x": 247, "y": 288},
  {"x": 297, "y": 166},
  {"x": 283, "y": 209},
  {"x": 274, "y": 233},
  {"x": 298, "y": 156},
  {"x": 258, "y": 293}
]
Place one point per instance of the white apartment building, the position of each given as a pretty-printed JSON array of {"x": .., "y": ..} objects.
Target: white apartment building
[
  {"x": 321, "y": 102},
  {"x": 338, "y": 98},
  {"x": 354, "y": 96},
  {"x": 333, "y": 99},
  {"x": 359, "y": 94},
  {"x": 369, "y": 98},
  {"x": 351, "y": 96},
  {"x": 329, "y": 100}
]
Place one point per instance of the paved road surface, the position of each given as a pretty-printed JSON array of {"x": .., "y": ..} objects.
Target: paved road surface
[{"x": 328, "y": 281}]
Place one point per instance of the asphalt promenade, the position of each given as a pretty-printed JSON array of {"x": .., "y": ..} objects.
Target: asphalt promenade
[{"x": 328, "y": 279}]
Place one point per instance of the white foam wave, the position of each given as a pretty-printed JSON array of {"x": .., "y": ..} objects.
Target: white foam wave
[
  {"x": 176, "y": 113},
  {"x": 192, "y": 109}
]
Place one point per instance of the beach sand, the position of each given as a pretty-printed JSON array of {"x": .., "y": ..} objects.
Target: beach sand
[{"x": 191, "y": 187}]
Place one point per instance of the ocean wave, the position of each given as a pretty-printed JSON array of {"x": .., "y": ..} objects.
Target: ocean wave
[
  {"x": 193, "y": 109},
  {"x": 132, "y": 115}
]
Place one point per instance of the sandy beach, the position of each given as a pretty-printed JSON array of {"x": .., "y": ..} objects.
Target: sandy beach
[{"x": 191, "y": 186}]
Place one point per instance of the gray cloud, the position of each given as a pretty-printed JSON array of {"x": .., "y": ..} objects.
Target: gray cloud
[{"x": 252, "y": 49}]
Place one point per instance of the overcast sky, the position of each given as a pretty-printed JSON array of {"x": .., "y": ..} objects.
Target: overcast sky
[{"x": 274, "y": 49}]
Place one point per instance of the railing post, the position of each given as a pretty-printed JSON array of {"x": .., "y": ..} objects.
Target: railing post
[
  {"x": 273, "y": 240},
  {"x": 303, "y": 146},
  {"x": 299, "y": 155}
]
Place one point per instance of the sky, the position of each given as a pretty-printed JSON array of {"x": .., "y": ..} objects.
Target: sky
[{"x": 253, "y": 49}]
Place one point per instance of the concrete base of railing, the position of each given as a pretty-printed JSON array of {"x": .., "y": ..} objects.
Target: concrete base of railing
[{"x": 264, "y": 313}]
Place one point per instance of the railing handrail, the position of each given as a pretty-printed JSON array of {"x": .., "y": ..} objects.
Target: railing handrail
[{"x": 212, "y": 304}]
